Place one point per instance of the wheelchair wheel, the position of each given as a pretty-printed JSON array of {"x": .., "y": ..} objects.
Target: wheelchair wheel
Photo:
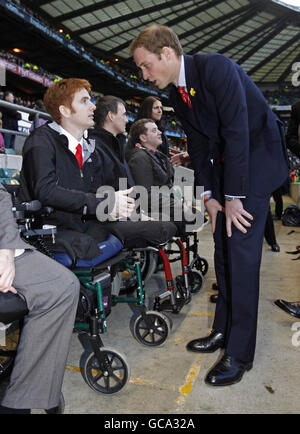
[
  {"x": 196, "y": 281},
  {"x": 109, "y": 375},
  {"x": 12, "y": 334},
  {"x": 6, "y": 365},
  {"x": 155, "y": 333},
  {"x": 201, "y": 265},
  {"x": 129, "y": 279},
  {"x": 180, "y": 292}
]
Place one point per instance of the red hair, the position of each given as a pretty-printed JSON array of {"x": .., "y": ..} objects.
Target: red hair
[{"x": 62, "y": 93}]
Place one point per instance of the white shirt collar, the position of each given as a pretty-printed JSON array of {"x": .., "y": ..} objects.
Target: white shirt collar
[
  {"x": 181, "y": 78},
  {"x": 72, "y": 141}
]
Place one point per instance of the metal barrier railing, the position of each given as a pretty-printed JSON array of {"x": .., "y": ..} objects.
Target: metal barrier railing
[{"x": 37, "y": 114}]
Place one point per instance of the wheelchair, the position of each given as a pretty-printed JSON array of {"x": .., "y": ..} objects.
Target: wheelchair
[
  {"x": 104, "y": 369},
  {"x": 13, "y": 309},
  {"x": 183, "y": 248},
  {"x": 178, "y": 290},
  {"x": 197, "y": 265}
]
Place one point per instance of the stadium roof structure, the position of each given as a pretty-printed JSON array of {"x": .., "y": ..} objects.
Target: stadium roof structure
[{"x": 263, "y": 36}]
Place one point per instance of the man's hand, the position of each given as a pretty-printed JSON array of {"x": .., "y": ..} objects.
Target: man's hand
[
  {"x": 235, "y": 213},
  {"x": 7, "y": 270},
  {"x": 145, "y": 217},
  {"x": 213, "y": 207},
  {"x": 180, "y": 159},
  {"x": 124, "y": 205}
]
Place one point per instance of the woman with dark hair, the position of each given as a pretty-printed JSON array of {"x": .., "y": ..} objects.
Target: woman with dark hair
[{"x": 151, "y": 108}]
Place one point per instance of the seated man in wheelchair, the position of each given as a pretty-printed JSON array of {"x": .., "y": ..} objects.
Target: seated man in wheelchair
[
  {"x": 151, "y": 168},
  {"x": 51, "y": 294},
  {"x": 61, "y": 170}
]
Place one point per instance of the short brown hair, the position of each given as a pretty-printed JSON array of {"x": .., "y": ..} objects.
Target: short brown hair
[
  {"x": 154, "y": 38},
  {"x": 105, "y": 104},
  {"x": 62, "y": 93},
  {"x": 138, "y": 128}
]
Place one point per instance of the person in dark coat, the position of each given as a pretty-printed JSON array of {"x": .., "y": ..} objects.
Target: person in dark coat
[
  {"x": 151, "y": 168},
  {"x": 110, "y": 139},
  {"x": 10, "y": 119},
  {"x": 237, "y": 154},
  {"x": 293, "y": 132}
]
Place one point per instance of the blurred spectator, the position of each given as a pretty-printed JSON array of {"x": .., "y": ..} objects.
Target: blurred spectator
[
  {"x": 10, "y": 119},
  {"x": 293, "y": 132},
  {"x": 39, "y": 105},
  {"x": 2, "y": 148}
]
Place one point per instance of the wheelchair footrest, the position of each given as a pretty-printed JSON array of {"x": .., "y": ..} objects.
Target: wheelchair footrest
[{"x": 167, "y": 301}]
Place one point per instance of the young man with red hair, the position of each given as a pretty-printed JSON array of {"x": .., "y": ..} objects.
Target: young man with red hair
[{"x": 61, "y": 170}]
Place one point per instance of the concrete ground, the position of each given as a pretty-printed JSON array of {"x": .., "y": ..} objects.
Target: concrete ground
[{"x": 170, "y": 380}]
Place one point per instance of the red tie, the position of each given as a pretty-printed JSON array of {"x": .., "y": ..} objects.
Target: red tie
[
  {"x": 185, "y": 96},
  {"x": 78, "y": 155}
]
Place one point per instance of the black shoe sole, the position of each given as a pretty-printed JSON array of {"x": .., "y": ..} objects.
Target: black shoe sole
[
  {"x": 237, "y": 380},
  {"x": 203, "y": 351},
  {"x": 285, "y": 309}
]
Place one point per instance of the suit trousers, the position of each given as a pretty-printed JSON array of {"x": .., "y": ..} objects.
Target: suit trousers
[
  {"x": 270, "y": 230},
  {"x": 51, "y": 292},
  {"x": 237, "y": 266}
]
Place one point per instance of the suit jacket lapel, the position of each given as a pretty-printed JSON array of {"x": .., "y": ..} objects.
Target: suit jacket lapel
[{"x": 194, "y": 91}]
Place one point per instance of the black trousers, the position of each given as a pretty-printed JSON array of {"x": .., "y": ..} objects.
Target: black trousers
[
  {"x": 237, "y": 267},
  {"x": 277, "y": 196},
  {"x": 136, "y": 234},
  {"x": 269, "y": 230}
]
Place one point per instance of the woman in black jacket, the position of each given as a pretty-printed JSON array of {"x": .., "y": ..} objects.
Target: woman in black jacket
[{"x": 151, "y": 108}]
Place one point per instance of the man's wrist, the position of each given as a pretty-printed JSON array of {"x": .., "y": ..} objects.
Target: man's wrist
[
  {"x": 229, "y": 198},
  {"x": 207, "y": 198}
]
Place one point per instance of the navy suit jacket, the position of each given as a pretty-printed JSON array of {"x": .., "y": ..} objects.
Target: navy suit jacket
[{"x": 231, "y": 118}]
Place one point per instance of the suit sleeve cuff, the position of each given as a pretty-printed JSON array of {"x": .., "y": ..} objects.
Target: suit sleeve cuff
[{"x": 234, "y": 197}]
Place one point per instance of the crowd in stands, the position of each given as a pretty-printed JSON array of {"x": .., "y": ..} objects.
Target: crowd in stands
[
  {"x": 27, "y": 65},
  {"x": 284, "y": 96}
]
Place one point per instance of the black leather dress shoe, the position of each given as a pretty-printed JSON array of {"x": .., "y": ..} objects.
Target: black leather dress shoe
[
  {"x": 293, "y": 308},
  {"x": 214, "y": 298},
  {"x": 227, "y": 371},
  {"x": 275, "y": 248},
  {"x": 208, "y": 344},
  {"x": 59, "y": 409}
]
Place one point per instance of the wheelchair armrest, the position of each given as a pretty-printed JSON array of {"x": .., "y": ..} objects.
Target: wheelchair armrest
[{"x": 13, "y": 307}]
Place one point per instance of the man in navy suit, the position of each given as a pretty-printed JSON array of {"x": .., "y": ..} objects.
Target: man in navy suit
[{"x": 236, "y": 151}]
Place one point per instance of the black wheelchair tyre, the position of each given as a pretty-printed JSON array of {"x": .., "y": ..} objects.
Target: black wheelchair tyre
[
  {"x": 155, "y": 334},
  {"x": 181, "y": 295},
  {"x": 109, "y": 376},
  {"x": 196, "y": 281},
  {"x": 201, "y": 265},
  {"x": 12, "y": 332}
]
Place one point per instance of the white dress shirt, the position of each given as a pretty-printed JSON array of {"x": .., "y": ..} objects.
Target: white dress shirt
[{"x": 72, "y": 141}]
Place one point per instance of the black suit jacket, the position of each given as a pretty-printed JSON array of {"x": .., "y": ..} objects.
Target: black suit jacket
[
  {"x": 231, "y": 118},
  {"x": 292, "y": 137}
]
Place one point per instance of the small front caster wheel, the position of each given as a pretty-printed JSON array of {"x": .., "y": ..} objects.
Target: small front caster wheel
[
  {"x": 109, "y": 374},
  {"x": 153, "y": 330}
]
